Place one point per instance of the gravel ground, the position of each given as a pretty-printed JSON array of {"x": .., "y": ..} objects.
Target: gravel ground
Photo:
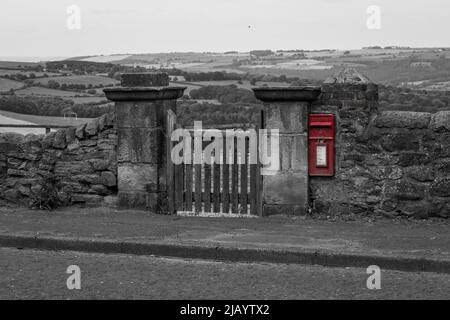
[{"x": 31, "y": 274}]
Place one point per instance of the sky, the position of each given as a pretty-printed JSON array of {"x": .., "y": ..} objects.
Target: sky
[{"x": 30, "y": 28}]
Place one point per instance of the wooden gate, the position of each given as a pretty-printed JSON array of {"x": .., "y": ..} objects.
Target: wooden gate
[{"x": 214, "y": 189}]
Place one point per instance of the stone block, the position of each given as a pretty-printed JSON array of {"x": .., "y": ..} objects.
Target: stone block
[
  {"x": 286, "y": 188},
  {"x": 440, "y": 121},
  {"x": 109, "y": 179},
  {"x": 385, "y": 172},
  {"x": 442, "y": 168},
  {"x": 68, "y": 168},
  {"x": 400, "y": 142},
  {"x": 403, "y": 119},
  {"x": 60, "y": 139},
  {"x": 440, "y": 208},
  {"x": 107, "y": 144},
  {"x": 140, "y": 115},
  {"x": 70, "y": 186},
  {"x": 91, "y": 178},
  {"x": 99, "y": 164},
  {"x": 136, "y": 177},
  {"x": 12, "y": 195},
  {"x": 79, "y": 132},
  {"x": 280, "y": 209},
  {"x": 441, "y": 187},
  {"x": 11, "y": 138},
  {"x": 16, "y": 173},
  {"x": 287, "y": 117},
  {"x": 24, "y": 156},
  {"x": 92, "y": 128},
  {"x": 413, "y": 159},
  {"x": 70, "y": 134},
  {"x": 99, "y": 189},
  {"x": 138, "y": 200},
  {"x": 294, "y": 152},
  {"x": 48, "y": 140},
  {"x": 139, "y": 145},
  {"x": 421, "y": 173},
  {"x": 404, "y": 190}
]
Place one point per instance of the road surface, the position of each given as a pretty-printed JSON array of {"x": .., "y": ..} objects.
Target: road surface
[{"x": 33, "y": 274}]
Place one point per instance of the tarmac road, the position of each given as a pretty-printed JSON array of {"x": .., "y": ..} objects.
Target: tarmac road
[{"x": 31, "y": 274}]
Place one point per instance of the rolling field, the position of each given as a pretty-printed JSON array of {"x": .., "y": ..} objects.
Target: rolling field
[
  {"x": 17, "y": 64},
  {"x": 11, "y": 118},
  {"x": 7, "y": 120},
  {"x": 4, "y": 72},
  {"x": 81, "y": 100},
  {"x": 6, "y": 85},
  {"x": 76, "y": 97},
  {"x": 244, "y": 85},
  {"x": 40, "y": 91},
  {"x": 86, "y": 80}
]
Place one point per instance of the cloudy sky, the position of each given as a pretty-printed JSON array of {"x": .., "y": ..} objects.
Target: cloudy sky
[{"x": 30, "y": 28}]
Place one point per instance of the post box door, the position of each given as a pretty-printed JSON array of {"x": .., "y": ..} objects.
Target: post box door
[{"x": 321, "y": 144}]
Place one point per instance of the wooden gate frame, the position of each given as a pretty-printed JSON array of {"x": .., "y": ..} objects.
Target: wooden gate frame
[{"x": 180, "y": 195}]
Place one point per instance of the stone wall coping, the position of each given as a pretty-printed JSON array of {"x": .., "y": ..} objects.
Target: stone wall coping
[
  {"x": 439, "y": 121},
  {"x": 280, "y": 94},
  {"x": 403, "y": 119},
  {"x": 144, "y": 93}
]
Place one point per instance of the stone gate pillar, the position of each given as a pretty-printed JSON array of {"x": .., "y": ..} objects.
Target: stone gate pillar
[
  {"x": 141, "y": 104},
  {"x": 286, "y": 109}
]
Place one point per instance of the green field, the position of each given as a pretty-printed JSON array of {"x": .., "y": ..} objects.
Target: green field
[
  {"x": 86, "y": 80},
  {"x": 41, "y": 91},
  {"x": 244, "y": 85},
  {"x": 77, "y": 98},
  {"x": 17, "y": 64},
  {"x": 8, "y": 120},
  {"x": 4, "y": 72},
  {"x": 40, "y": 119},
  {"x": 6, "y": 85}
]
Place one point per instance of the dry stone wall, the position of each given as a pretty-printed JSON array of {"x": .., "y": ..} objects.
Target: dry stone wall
[
  {"x": 391, "y": 163},
  {"x": 79, "y": 163}
]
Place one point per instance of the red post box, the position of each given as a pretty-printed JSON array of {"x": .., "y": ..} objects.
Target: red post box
[{"x": 321, "y": 144}]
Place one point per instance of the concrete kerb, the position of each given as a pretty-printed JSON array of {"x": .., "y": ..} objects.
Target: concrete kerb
[{"x": 226, "y": 254}]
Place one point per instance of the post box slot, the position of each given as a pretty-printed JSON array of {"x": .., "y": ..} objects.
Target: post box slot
[{"x": 320, "y": 124}]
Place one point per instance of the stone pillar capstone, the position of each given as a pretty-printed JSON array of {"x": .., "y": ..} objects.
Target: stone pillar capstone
[
  {"x": 286, "y": 109},
  {"x": 141, "y": 105}
]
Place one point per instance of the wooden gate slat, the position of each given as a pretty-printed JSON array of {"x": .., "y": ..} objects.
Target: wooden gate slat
[
  {"x": 188, "y": 182},
  {"x": 253, "y": 189},
  {"x": 225, "y": 180},
  {"x": 244, "y": 179},
  {"x": 188, "y": 193},
  {"x": 207, "y": 201},
  {"x": 216, "y": 186},
  {"x": 179, "y": 187},
  {"x": 258, "y": 177},
  {"x": 234, "y": 184},
  {"x": 198, "y": 188}
]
